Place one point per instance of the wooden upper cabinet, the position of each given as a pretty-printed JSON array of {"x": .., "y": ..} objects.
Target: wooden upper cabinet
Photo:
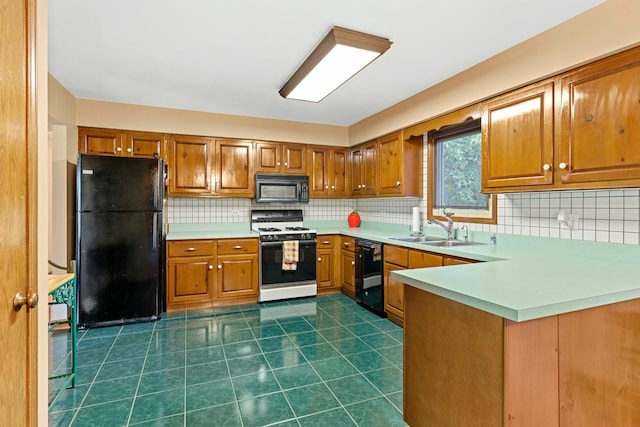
[
  {"x": 277, "y": 157},
  {"x": 104, "y": 142},
  {"x": 328, "y": 171},
  {"x": 599, "y": 132},
  {"x": 517, "y": 138},
  {"x": 355, "y": 162},
  {"x": 364, "y": 169},
  {"x": 370, "y": 168},
  {"x": 295, "y": 158},
  {"x": 400, "y": 167},
  {"x": 339, "y": 172},
  {"x": 318, "y": 171},
  {"x": 190, "y": 168},
  {"x": 391, "y": 165},
  {"x": 579, "y": 130},
  {"x": 144, "y": 144},
  {"x": 114, "y": 142},
  {"x": 234, "y": 167}
]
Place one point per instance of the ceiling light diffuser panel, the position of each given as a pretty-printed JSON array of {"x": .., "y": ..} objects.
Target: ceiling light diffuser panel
[{"x": 337, "y": 58}]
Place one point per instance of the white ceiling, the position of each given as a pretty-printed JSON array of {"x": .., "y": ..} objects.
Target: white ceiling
[{"x": 233, "y": 56}]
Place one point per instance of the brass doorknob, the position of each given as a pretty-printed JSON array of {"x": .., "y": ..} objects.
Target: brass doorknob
[{"x": 21, "y": 299}]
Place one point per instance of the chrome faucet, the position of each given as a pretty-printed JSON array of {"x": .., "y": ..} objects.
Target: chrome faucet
[{"x": 449, "y": 227}]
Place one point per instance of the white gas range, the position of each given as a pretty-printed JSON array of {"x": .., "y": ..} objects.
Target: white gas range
[{"x": 280, "y": 228}]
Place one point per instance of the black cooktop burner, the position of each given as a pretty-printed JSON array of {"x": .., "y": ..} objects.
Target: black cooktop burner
[
  {"x": 296, "y": 228},
  {"x": 269, "y": 229}
]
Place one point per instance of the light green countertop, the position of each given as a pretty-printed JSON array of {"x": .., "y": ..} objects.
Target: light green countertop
[{"x": 524, "y": 278}]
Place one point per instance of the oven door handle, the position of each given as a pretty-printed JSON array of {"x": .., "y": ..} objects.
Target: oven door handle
[{"x": 302, "y": 242}]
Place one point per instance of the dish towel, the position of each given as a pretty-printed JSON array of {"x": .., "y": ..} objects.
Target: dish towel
[
  {"x": 377, "y": 252},
  {"x": 290, "y": 255}
]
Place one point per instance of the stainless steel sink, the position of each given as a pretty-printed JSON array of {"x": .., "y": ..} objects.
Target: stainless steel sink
[
  {"x": 417, "y": 239},
  {"x": 450, "y": 243}
]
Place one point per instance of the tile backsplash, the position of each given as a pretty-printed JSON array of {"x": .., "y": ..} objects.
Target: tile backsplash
[{"x": 603, "y": 216}]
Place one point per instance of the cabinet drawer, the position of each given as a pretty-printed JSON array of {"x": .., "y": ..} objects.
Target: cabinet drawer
[
  {"x": 237, "y": 246},
  {"x": 348, "y": 243},
  {"x": 326, "y": 242},
  {"x": 457, "y": 261},
  {"x": 396, "y": 255},
  {"x": 189, "y": 248},
  {"x": 420, "y": 259}
]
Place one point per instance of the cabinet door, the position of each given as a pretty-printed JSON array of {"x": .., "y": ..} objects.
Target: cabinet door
[
  {"x": 144, "y": 144},
  {"x": 600, "y": 124},
  {"x": 391, "y": 164},
  {"x": 325, "y": 268},
  {"x": 517, "y": 138},
  {"x": 237, "y": 276},
  {"x": 190, "y": 165},
  {"x": 357, "y": 183},
  {"x": 189, "y": 279},
  {"x": 393, "y": 292},
  {"x": 267, "y": 158},
  {"x": 319, "y": 171},
  {"x": 234, "y": 168},
  {"x": 348, "y": 273},
  {"x": 294, "y": 158},
  {"x": 103, "y": 142},
  {"x": 370, "y": 168},
  {"x": 339, "y": 173}
]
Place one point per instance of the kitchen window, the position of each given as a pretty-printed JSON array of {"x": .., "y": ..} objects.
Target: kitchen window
[{"x": 455, "y": 165}]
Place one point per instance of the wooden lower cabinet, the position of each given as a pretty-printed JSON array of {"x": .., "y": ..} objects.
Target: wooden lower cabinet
[
  {"x": 190, "y": 272},
  {"x": 399, "y": 258},
  {"x": 328, "y": 266},
  {"x": 466, "y": 367},
  {"x": 211, "y": 272},
  {"x": 348, "y": 266}
]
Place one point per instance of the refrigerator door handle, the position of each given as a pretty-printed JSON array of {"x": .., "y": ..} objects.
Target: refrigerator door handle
[
  {"x": 154, "y": 234},
  {"x": 157, "y": 187}
]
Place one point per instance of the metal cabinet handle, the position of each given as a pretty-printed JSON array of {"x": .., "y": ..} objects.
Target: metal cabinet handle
[
  {"x": 219, "y": 266},
  {"x": 326, "y": 187},
  {"x": 346, "y": 243},
  {"x": 238, "y": 247},
  {"x": 210, "y": 267},
  {"x": 277, "y": 163},
  {"x": 353, "y": 263},
  {"x": 190, "y": 249},
  {"x": 333, "y": 187},
  {"x": 546, "y": 166},
  {"x": 286, "y": 164},
  {"x": 398, "y": 183},
  {"x": 319, "y": 259},
  {"x": 20, "y": 299},
  {"x": 562, "y": 165},
  {"x": 129, "y": 150},
  {"x": 119, "y": 149},
  {"x": 325, "y": 242}
]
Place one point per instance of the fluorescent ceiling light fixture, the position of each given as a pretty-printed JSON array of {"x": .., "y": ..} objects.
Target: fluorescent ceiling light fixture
[{"x": 338, "y": 57}]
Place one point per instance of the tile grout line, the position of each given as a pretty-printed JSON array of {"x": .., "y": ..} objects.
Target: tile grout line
[
  {"x": 144, "y": 363},
  {"x": 80, "y": 406}
]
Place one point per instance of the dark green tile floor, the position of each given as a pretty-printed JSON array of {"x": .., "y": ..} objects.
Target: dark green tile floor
[{"x": 321, "y": 361}]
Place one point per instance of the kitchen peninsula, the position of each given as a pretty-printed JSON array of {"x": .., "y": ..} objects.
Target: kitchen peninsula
[{"x": 534, "y": 341}]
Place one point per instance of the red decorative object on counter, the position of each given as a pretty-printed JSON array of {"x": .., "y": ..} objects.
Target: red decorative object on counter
[{"x": 354, "y": 219}]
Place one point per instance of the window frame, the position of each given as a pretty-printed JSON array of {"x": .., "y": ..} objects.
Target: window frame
[{"x": 484, "y": 217}]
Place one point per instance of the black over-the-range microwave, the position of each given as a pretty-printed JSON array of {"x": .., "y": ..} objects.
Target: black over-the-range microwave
[{"x": 282, "y": 188}]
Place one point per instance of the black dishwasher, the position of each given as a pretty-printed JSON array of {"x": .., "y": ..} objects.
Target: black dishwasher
[{"x": 369, "y": 276}]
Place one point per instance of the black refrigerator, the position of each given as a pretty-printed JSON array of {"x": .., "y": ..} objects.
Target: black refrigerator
[{"x": 119, "y": 244}]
